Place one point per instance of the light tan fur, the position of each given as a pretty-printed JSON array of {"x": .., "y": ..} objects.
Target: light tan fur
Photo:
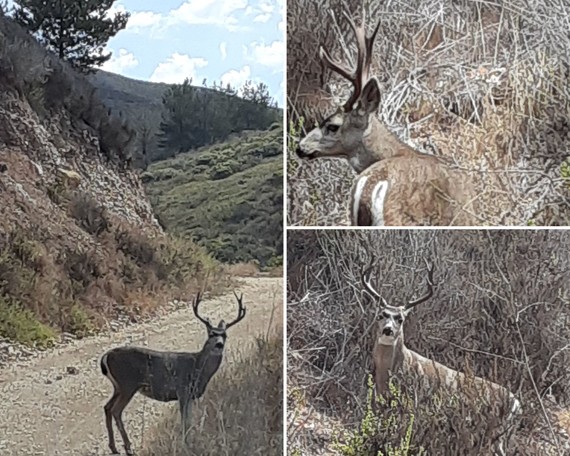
[
  {"x": 391, "y": 356},
  {"x": 389, "y": 359}
]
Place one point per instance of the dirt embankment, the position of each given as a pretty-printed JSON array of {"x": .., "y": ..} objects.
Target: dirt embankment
[{"x": 53, "y": 404}]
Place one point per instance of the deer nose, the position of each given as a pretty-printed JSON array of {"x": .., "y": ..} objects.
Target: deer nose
[
  {"x": 219, "y": 345},
  {"x": 300, "y": 152},
  {"x": 387, "y": 332}
]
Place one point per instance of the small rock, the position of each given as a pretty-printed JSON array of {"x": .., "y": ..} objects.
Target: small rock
[{"x": 71, "y": 370}]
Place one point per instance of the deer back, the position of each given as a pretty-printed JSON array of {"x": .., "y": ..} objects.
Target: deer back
[
  {"x": 414, "y": 189},
  {"x": 436, "y": 375}
]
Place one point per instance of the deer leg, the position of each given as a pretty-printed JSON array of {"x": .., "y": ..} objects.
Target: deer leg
[
  {"x": 185, "y": 415},
  {"x": 117, "y": 410},
  {"x": 109, "y": 422}
]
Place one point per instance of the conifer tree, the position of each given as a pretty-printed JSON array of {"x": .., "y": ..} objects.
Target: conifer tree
[{"x": 77, "y": 31}]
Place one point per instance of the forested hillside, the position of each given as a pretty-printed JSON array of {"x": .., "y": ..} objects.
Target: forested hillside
[
  {"x": 170, "y": 118},
  {"x": 228, "y": 197}
]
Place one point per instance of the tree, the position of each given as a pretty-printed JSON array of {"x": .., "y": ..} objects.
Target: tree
[
  {"x": 77, "y": 31},
  {"x": 197, "y": 116}
]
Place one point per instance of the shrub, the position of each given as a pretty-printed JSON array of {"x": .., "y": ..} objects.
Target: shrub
[
  {"x": 21, "y": 325},
  {"x": 91, "y": 216}
]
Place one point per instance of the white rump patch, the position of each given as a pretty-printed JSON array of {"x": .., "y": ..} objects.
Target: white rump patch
[
  {"x": 377, "y": 203},
  {"x": 356, "y": 196},
  {"x": 109, "y": 375},
  {"x": 516, "y": 408}
]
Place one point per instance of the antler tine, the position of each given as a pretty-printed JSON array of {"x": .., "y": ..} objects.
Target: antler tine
[
  {"x": 429, "y": 284},
  {"x": 195, "y": 305},
  {"x": 366, "y": 281},
  {"x": 335, "y": 66},
  {"x": 241, "y": 310},
  {"x": 359, "y": 76},
  {"x": 369, "y": 48},
  {"x": 360, "y": 73}
]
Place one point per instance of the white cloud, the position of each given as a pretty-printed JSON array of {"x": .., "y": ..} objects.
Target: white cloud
[
  {"x": 120, "y": 61},
  {"x": 272, "y": 55},
  {"x": 177, "y": 68},
  {"x": 262, "y": 11},
  {"x": 262, "y": 17},
  {"x": 236, "y": 78},
  {"x": 215, "y": 12},
  {"x": 143, "y": 19},
  {"x": 281, "y": 26},
  {"x": 224, "y": 49}
]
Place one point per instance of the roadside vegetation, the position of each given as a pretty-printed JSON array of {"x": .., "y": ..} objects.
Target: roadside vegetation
[
  {"x": 110, "y": 270},
  {"x": 240, "y": 414}
]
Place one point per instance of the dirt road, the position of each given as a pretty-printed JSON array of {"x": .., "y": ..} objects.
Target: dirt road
[{"x": 48, "y": 408}]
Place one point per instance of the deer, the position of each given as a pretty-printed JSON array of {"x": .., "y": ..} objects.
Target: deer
[
  {"x": 395, "y": 184},
  {"x": 391, "y": 355},
  {"x": 164, "y": 376}
]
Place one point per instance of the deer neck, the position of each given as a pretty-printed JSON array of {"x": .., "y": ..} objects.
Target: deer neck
[
  {"x": 207, "y": 365},
  {"x": 387, "y": 360},
  {"x": 378, "y": 143}
]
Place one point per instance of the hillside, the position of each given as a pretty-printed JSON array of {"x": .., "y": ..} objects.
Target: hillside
[
  {"x": 228, "y": 197},
  {"x": 142, "y": 103},
  {"x": 79, "y": 243}
]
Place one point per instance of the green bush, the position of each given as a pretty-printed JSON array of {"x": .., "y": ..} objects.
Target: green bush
[
  {"x": 364, "y": 440},
  {"x": 22, "y": 326}
]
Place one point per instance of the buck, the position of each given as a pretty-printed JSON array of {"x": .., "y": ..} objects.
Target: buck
[
  {"x": 391, "y": 355},
  {"x": 396, "y": 185},
  {"x": 163, "y": 376}
]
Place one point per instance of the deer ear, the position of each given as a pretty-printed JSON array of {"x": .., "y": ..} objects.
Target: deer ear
[
  {"x": 222, "y": 324},
  {"x": 369, "y": 100}
]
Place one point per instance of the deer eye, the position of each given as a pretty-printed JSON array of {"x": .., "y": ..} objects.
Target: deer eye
[
  {"x": 332, "y": 128},
  {"x": 399, "y": 319},
  {"x": 385, "y": 315}
]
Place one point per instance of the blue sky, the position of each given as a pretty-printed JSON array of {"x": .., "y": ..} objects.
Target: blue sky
[{"x": 227, "y": 40}]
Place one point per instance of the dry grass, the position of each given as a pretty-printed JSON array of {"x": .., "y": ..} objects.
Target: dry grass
[
  {"x": 484, "y": 84},
  {"x": 500, "y": 311},
  {"x": 241, "y": 412},
  {"x": 249, "y": 269}
]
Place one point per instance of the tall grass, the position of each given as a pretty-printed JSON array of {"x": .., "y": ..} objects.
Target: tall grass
[{"x": 241, "y": 412}]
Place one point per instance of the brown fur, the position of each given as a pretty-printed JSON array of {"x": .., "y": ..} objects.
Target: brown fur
[{"x": 423, "y": 190}]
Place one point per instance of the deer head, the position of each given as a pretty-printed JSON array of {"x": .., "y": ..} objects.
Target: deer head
[
  {"x": 217, "y": 334},
  {"x": 392, "y": 318},
  {"x": 345, "y": 133}
]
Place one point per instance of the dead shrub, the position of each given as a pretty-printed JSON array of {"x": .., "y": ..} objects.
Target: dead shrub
[
  {"x": 484, "y": 84},
  {"x": 242, "y": 269},
  {"x": 499, "y": 309},
  {"x": 91, "y": 216}
]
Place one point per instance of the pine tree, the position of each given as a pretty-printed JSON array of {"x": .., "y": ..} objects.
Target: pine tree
[{"x": 77, "y": 31}]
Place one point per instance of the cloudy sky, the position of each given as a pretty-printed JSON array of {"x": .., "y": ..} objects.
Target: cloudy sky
[{"x": 227, "y": 40}]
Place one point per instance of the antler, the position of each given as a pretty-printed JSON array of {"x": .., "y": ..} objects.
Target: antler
[
  {"x": 366, "y": 281},
  {"x": 241, "y": 310},
  {"x": 430, "y": 287},
  {"x": 195, "y": 305},
  {"x": 359, "y": 76}
]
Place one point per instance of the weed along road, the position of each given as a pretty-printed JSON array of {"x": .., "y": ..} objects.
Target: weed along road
[{"x": 52, "y": 404}]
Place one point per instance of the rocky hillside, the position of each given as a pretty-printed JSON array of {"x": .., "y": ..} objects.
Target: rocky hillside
[{"x": 78, "y": 239}]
